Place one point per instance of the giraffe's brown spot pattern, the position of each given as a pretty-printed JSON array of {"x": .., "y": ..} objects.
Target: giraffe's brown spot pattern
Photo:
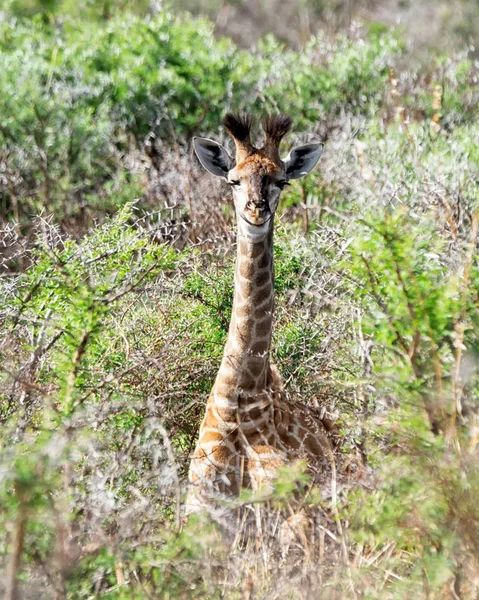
[
  {"x": 229, "y": 379},
  {"x": 211, "y": 436},
  {"x": 264, "y": 262},
  {"x": 261, "y": 312},
  {"x": 246, "y": 269},
  {"x": 254, "y": 414},
  {"x": 260, "y": 347},
  {"x": 221, "y": 454},
  {"x": 264, "y": 326},
  {"x": 226, "y": 414},
  {"x": 263, "y": 278},
  {"x": 210, "y": 417},
  {"x": 256, "y": 367},
  {"x": 247, "y": 289},
  {"x": 243, "y": 249},
  {"x": 243, "y": 311}
]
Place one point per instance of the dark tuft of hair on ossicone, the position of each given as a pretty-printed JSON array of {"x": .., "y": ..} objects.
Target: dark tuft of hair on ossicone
[
  {"x": 239, "y": 126},
  {"x": 276, "y": 127}
]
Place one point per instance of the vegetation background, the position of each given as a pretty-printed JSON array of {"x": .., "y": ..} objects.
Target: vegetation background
[{"x": 116, "y": 255}]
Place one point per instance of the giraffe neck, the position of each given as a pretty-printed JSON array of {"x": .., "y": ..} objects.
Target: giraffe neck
[{"x": 245, "y": 364}]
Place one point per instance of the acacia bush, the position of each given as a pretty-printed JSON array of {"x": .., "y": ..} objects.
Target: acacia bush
[
  {"x": 86, "y": 104},
  {"x": 117, "y": 276}
]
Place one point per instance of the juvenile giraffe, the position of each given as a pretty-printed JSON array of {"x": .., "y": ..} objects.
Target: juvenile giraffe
[{"x": 251, "y": 427}]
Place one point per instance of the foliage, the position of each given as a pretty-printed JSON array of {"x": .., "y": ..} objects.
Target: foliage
[
  {"x": 415, "y": 266},
  {"x": 117, "y": 298},
  {"x": 80, "y": 98}
]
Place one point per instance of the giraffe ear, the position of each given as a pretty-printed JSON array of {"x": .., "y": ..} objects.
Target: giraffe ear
[
  {"x": 300, "y": 161},
  {"x": 212, "y": 156}
]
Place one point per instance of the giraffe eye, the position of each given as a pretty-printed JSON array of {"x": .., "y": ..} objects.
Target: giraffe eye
[
  {"x": 234, "y": 182},
  {"x": 281, "y": 184}
]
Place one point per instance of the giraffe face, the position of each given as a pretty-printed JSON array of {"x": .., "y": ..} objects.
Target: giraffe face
[
  {"x": 256, "y": 183},
  {"x": 256, "y": 176}
]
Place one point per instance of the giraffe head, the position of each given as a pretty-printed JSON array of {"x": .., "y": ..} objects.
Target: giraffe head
[{"x": 256, "y": 175}]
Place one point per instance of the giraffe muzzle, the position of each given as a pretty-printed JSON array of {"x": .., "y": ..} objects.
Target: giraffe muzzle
[
  {"x": 256, "y": 221},
  {"x": 257, "y": 213}
]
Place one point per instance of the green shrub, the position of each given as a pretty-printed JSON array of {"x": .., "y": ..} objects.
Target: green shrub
[{"x": 113, "y": 330}]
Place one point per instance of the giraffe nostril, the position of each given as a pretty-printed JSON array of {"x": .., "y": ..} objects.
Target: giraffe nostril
[
  {"x": 261, "y": 204},
  {"x": 257, "y": 205}
]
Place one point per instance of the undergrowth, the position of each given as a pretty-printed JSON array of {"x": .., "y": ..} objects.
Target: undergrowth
[{"x": 117, "y": 277}]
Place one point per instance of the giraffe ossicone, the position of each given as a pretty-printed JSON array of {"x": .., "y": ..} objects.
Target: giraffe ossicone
[{"x": 251, "y": 427}]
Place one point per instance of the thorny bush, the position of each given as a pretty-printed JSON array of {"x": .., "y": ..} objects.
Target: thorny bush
[{"x": 117, "y": 297}]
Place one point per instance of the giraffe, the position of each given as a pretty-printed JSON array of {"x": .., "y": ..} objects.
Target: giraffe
[{"x": 251, "y": 427}]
